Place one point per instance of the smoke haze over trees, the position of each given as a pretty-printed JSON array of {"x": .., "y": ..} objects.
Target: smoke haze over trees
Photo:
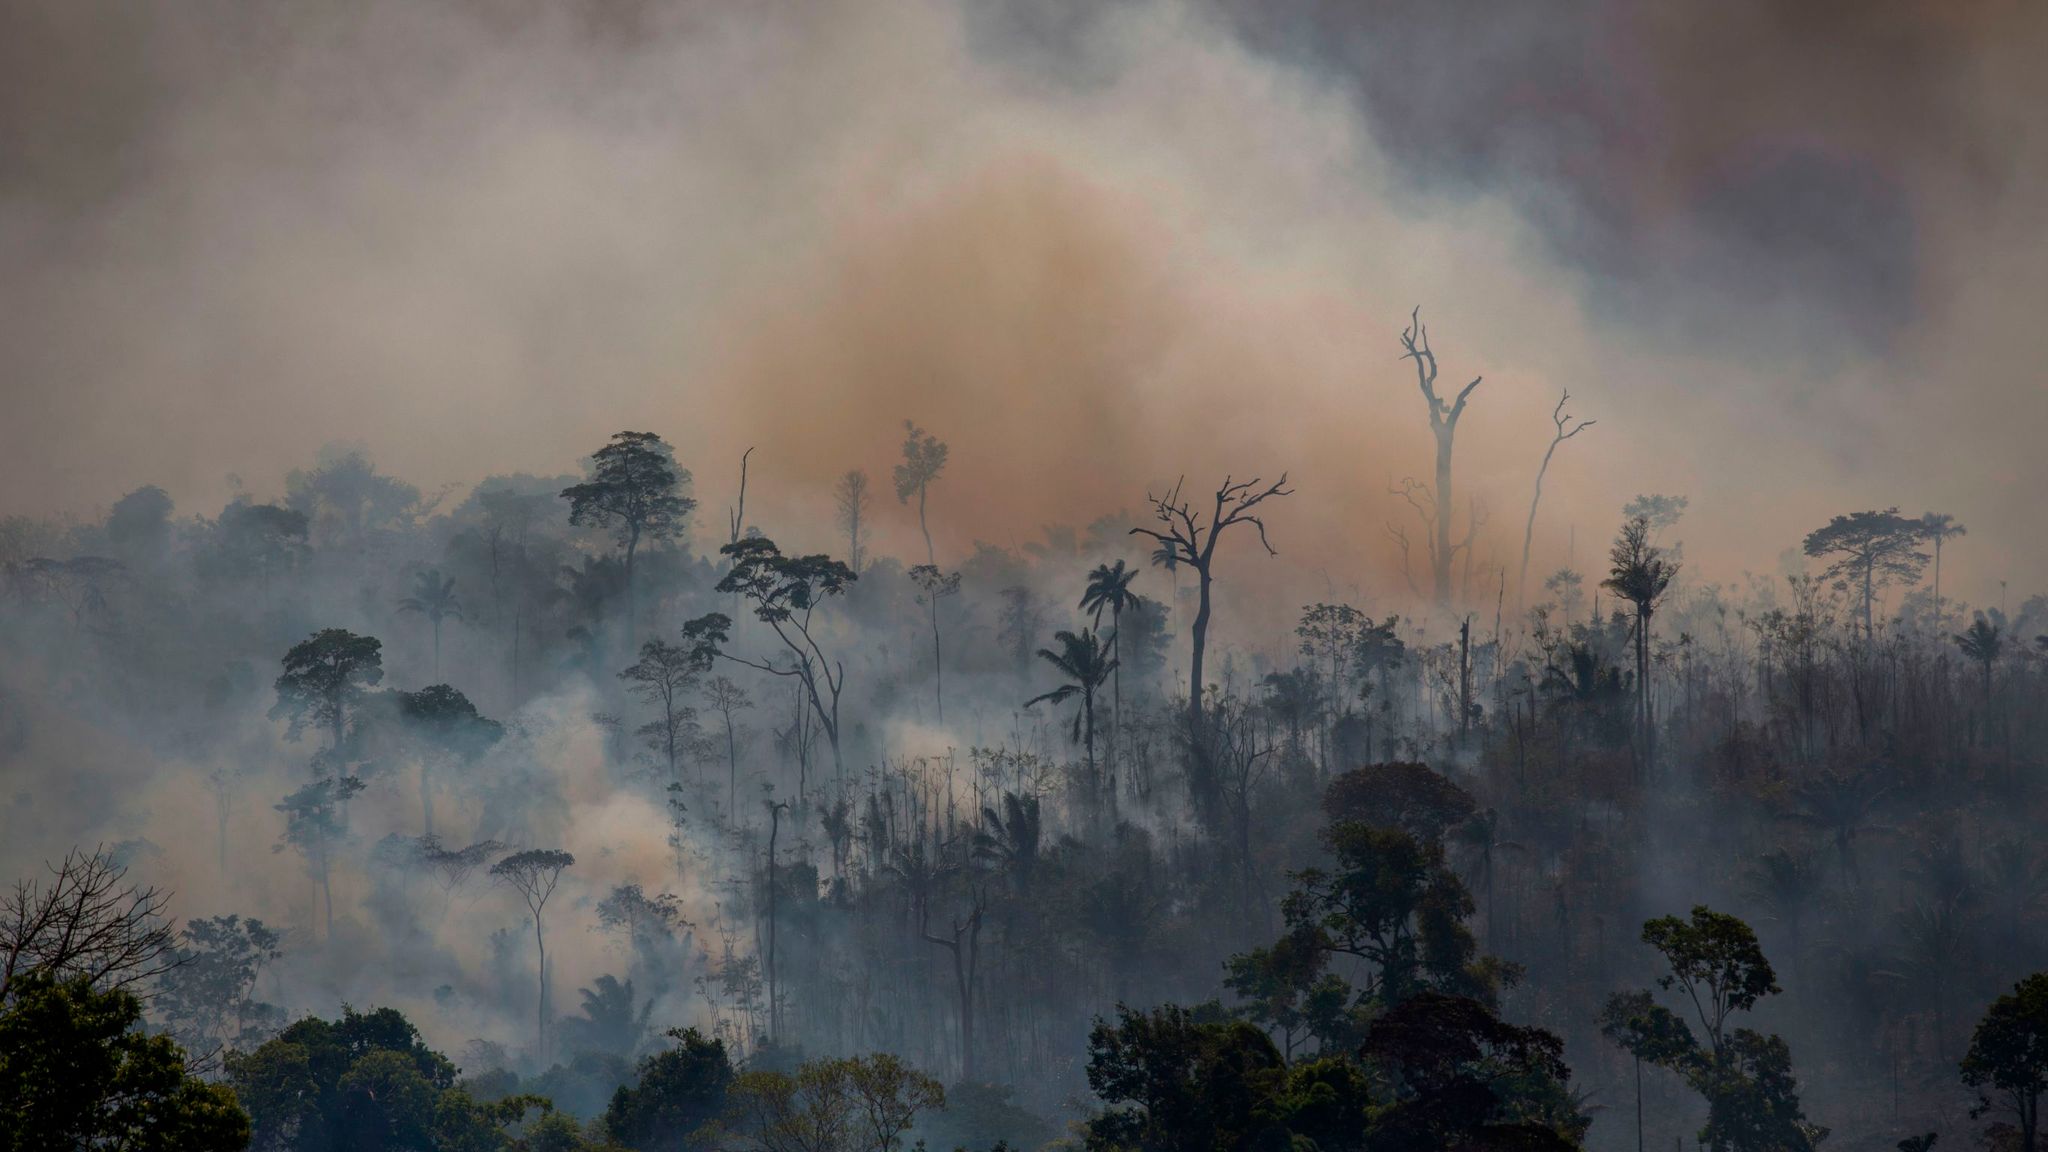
[{"x": 458, "y": 649}]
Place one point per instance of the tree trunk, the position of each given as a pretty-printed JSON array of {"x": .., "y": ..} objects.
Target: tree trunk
[
  {"x": 1445, "y": 431},
  {"x": 540, "y": 1012}
]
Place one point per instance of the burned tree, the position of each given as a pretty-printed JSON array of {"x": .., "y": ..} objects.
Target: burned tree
[
  {"x": 1443, "y": 423},
  {"x": 1560, "y": 418},
  {"x": 852, "y": 500},
  {"x": 85, "y": 922},
  {"x": 1187, "y": 536},
  {"x": 924, "y": 457}
]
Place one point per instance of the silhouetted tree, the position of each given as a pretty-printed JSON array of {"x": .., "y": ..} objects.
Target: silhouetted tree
[
  {"x": 1109, "y": 590},
  {"x": 1187, "y": 536},
  {"x": 433, "y": 596},
  {"x": 1086, "y": 664},
  {"x": 1940, "y": 528},
  {"x": 323, "y": 680},
  {"x": 86, "y": 922},
  {"x": 2008, "y": 1057},
  {"x": 785, "y": 592},
  {"x": 1639, "y": 573},
  {"x": 1443, "y": 424},
  {"x": 1560, "y": 418},
  {"x": 924, "y": 457},
  {"x": 636, "y": 490},
  {"x": 661, "y": 677},
  {"x": 932, "y": 587},
  {"x": 533, "y": 874},
  {"x": 1868, "y": 551}
]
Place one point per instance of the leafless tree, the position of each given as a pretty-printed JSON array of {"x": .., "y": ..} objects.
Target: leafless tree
[
  {"x": 1187, "y": 536},
  {"x": 85, "y": 921},
  {"x": 965, "y": 945},
  {"x": 1560, "y": 418},
  {"x": 1443, "y": 423}
]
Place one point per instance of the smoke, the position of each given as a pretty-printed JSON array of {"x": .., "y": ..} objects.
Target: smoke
[{"x": 1094, "y": 251}]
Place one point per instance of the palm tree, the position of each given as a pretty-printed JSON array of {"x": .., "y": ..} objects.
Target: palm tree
[
  {"x": 1983, "y": 642},
  {"x": 1012, "y": 837},
  {"x": 1940, "y": 528},
  {"x": 1640, "y": 574},
  {"x": 433, "y": 596},
  {"x": 1087, "y": 665},
  {"x": 1839, "y": 803},
  {"x": 1109, "y": 589}
]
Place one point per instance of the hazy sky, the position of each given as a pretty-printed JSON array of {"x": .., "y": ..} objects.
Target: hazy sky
[{"x": 1791, "y": 257}]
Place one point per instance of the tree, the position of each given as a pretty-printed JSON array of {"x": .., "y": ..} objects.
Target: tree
[
  {"x": 78, "y": 1071},
  {"x": 1187, "y": 536},
  {"x": 364, "y": 1083},
  {"x": 533, "y": 874},
  {"x": 1940, "y": 528},
  {"x": 1466, "y": 1079},
  {"x": 932, "y": 587},
  {"x": 1560, "y": 418},
  {"x": 1983, "y": 642},
  {"x": 1714, "y": 963},
  {"x": 1176, "y": 1078},
  {"x": 850, "y": 495},
  {"x": 1443, "y": 423},
  {"x": 729, "y": 700},
  {"x": 680, "y": 1092},
  {"x": 433, "y": 596},
  {"x": 315, "y": 819},
  {"x": 785, "y": 592},
  {"x": 860, "y": 1104},
  {"x": 924, "y": 457},
  {"x": 2007, "y": 1062},
  {"x": 323, "y": 680},
  {"x": 1639, "y": 573},
  {"x": 86, "y": 922},
  {"x": 635, "y": 490},
  {"x": 1086, "y": 664},
  {"x": 205, "y": 998},
  {"x": 445, "y": 729},
  {"x": 965, "y": 946},
  {"x": 1109, "y": 590},
  {"x": 1869, "y": 550},
  {"x": 660, "y": 678}
]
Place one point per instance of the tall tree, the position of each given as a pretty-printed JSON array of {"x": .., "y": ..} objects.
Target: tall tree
[
  {"x": 1560, "y": 418},
  {"x": 634, "y": 489},
  {"x": 1940, "y": 528},
  {"x": 1639, "y": 573},
  {"x": 1188, "y": 536},
  {"x": 1443, "y": 424},
  {"x": 445, "y": 729},
  {"x": 785, "y": 592},
  {"x": 924, "y": 457},
  {"x": 433, "y": 596},
  {"x": 1086, "y": 664},
  {"x": 1109, "y": 590},
  {"x": 850, "y": 495},
  {"x": 661, "y": 678},
  {"x": 932, "y": 587},
  {"x": 323, "y": 681},
  {"x": 533, "y": 874},
  {"x": 729, "y": 700},
  {"x": 1867, "y": 551}
]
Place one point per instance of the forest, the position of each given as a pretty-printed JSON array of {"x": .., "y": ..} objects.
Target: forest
[
  {"x": 546, "y": 818},
  {"x": 1023, "y": 575}
]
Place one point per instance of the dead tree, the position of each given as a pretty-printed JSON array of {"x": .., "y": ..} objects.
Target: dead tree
[
  {"x": 965, "y": 945},
  {"x": 1443, "y": 422},
  {"x": 85, "y": 922},
  {"x": 1187, "y": 536},
  {"x": 1559, "y": 417}
]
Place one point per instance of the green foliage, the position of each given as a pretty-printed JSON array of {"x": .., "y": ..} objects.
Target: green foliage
[
  {"x": 861, "y": 1104},
  {"x": 1715, "y": 960},
  {"x": 77, "y": 1072},
  {"x": 365, "y": 1083},
  {"x": 679, "y": 1092},
  {"x": 2007, "y": 1062},
  {"x": 1183, "y": 1079}
]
